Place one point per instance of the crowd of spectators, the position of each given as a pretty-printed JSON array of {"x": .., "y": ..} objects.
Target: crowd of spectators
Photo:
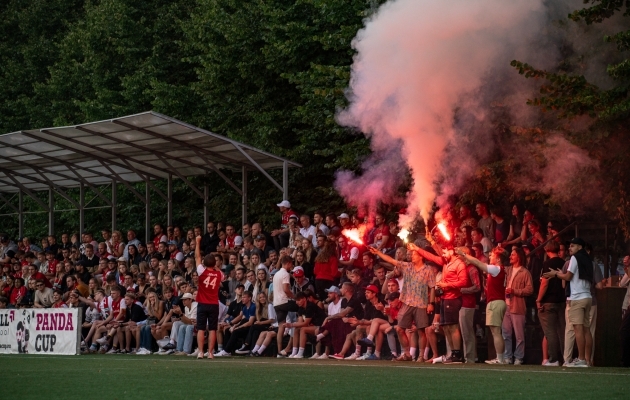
[{"x": 308, "y": 289}]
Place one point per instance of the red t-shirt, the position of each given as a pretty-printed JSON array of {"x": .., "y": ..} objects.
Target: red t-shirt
[
  {"x": 158, "y": 239},
  {"x": 286, "y": 216},
  {"x": 117, "y": 306},
  {"x": 209, "y": 285},
  {"x": 38, "y": 275},
  {"x": 328, "y": 270},
  {"x": 495, "y": 286},
  {"x": 384, "y": 231},
  {"x": 469, "y": 300},
  {"x": 347, "y": 253},
  {"x": 52, "y": 266},
  {"x": 15, "y": 292}
]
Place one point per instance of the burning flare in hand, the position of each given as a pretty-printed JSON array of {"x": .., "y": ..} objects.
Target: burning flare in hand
[
  {"x": 442, "y": 227},
  {"x": 403, "y": 234}
]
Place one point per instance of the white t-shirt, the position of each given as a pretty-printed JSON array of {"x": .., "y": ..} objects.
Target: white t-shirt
[
  {"x": 580, "y": 288},
  {"x": 334, "y": 308},
  {"x": 310, "y": 231},
  {"x": 279, "y": 279},
  {"x": 191, "y": 313},
  {"x": 493, "y": 270}
]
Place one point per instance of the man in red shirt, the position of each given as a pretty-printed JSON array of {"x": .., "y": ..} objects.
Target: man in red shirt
[
  {"x": 35, "y": 274},
  {"x": 495, "y": 295},
  {"x": 281, "y": 236},
  {"x": 210, "y": 278},
  {"x": 383, "y": 239}
]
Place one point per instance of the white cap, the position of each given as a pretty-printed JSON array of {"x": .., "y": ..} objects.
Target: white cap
[
  {"x": 344, "y": 215},
  {"x": 122, "y": 259},
  {"x": 284, "y": 203},
  {"x": 187, "y": 296}
]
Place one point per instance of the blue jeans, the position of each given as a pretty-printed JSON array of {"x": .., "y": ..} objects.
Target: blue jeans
[
  {"x": 513, "y": 323},
  {"x": 146, "y": 339},
  {"x": 185, "y": 338}
]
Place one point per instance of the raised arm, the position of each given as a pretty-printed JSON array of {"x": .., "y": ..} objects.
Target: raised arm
[
  {"x": 472, "y": 260},
  {"x": 425, "y": 254},
  {"x": 198, "y": 250},
  {"x": 383, "y": 256}
]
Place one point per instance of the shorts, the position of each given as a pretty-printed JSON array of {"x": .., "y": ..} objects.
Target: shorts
[
  {"x": 207, "y": 316},
  {"x": 283, "y": 310},
  {"x": 449, "y": 311},
  {"x": 408, "y": 314},
  {"x": 495, "y": 311},
  {"x": 579, "y": 313}
]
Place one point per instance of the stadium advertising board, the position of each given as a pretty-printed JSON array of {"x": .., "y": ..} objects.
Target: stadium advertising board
[{"x": 39, "y": 331}]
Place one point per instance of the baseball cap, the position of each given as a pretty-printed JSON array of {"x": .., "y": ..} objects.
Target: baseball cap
[
  {"x": 229, "y": 268},
  {"x": 172, "y": 242},
  {"x": 372, "y": 288},
  {"x": 284, "y": 203},
  {"x": 393, "y": 280},
  {"x": 298, "y": 271},
  {"x": 579, "y": 241},
  {"x": 343, "y": 215},
  {"x": 260, "y": 237},
  {"x": 528, "y": 246},
  {"x": 187, "y": 296},
  {"x": 240, "y": 285},
  {"x": 333, "y": 289},
  {"x": 393, "y": 296},
  {"x": 122, "y": 259}
]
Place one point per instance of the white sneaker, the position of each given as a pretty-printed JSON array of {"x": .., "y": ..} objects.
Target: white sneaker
[
  {"x": 113, "y": 351},
  {"x": 577, "y": 363},
  {"x": 163, "y": 342},
  {"x": 314, "y": 357},
  {"x": 298, "y": 356},
  {"x": 518, "y": 362},
  {"x": 323, "y": 357},
  {"x": 102, "y": 340},
  {"x": 495, "y": 361},
  {"x": 551, "y": 364},
  {"x": 353, "y": 356},
  {"x": 194, "y": 353},
  {"x": 205, "y": 354},
  {"x": 292, "y": 356},
  {"x": 167, "y": 352},
  {"x": 438, "y": 360},
  {"x": 545, "y": 361},
  {"x": 363, "y": 357},
  {"x": 160, "y": 352},
  {"x": 143, "y": 352},
  {"x": 222, "y": 353}
]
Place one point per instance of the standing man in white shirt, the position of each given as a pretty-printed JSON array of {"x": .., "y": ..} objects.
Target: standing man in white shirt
[
  {"x": 580, "y": 276},
  {"x": 283, "y": 297}
]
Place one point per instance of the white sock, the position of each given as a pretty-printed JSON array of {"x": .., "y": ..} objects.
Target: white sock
[
  {"x": 295, "y": 351},
  {"x": 412, "y": 352},
  {"x": 220, "y": 347},
  {"x": 255, "y": 349},
  {"x": 426, "y": 353},
  {"x": 368, "y": 351},
  {"x": 320, "y": 336},
  {"x": 261, "y": 349},
  {"x": 358, "y": 350},
  {"x": 301, "y": 351},
  {"x": 171, "y": 341},
  {"x": 370, "y": 337}
]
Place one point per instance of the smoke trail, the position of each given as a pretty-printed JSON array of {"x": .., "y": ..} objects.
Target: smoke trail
[{"x": 424, "y": 75}]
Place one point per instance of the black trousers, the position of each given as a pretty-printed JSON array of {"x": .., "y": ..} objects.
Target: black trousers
[
  {"x": 234, "y": 337},
  {"x": 625, "y": 339}
]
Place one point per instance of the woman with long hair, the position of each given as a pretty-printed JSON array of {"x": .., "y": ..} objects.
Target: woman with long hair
[
  {"x": 118, "y": 246},
  {"x": 155, "y": 311},
  {"x": 168, "y": 285},
  {"x": 93, "y": 286},
  {"x": 516, "y": 227},
  {"x": 262, "y": 331},
  {"x": 262, "y": 282},
  {"x": 326, "y": 268},
  {"x": 134, "y": 255}
]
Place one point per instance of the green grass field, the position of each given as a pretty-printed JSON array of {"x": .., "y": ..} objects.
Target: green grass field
[{"x": 154, "y": 377}]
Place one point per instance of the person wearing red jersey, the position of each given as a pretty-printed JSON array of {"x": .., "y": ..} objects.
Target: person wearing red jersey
[
  {"x": 348, "y": 255},
  {"x": 158, "y": 235},
  {"x": 495, "y": 295},
  {"x": 233, "y": 242},
  {"x": 210, "y": 278},
  {"x": 175, "y": 254},
  {"x": 51, "y": 265},
  {"x": 116, "y": 305},
  {"x": 281, "y": 236},
  {"x": 383, "y": 239}
]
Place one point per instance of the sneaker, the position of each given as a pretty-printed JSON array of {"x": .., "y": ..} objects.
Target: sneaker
[
  {"x": 205, "y": 354},
  {"x": 194, "y": 353},
  {"x": 495, "y": 361},
  {"x": 365, "y": 341},
  {"x": 282, "y": 354},
  {"x": 337, "y": 356},
  {"x": 160, "y": 352},
  {"x": 103, "y": 349},
  {"x": 167, "y": 352},
  {"x": 143, "y": 352},
  {"x": 222, "y": 353},
  {"x": 180, "y": 353},
  {"x": 323, "y": 357},
  {"x": 256, "y": 354},
  {"x": 352, "y": 356},
  {"x": 93, "y": 348},
  {"x": 102, "y": 340},
  {"x": 364, "y": 357},
  {"x": 133, "y": 351},
  {"x": 298, "y": 356},
  {"x": 551, "y": 364},
  {"x": 438, "y": 360},
  {"x": 508, "y": 361},
  {"x": 372, "y": 357},
  {"x": 169, "y": 346},
  {"x": 123, "y": 351},
  {"x": 113, "y": 351},
  {"x": 453, "y": 359},
  {"x": 314, "y": 357},
  {"x": 545, "y": 361},
  {"x": 163, "y": 342},
  {"x": 577, "y": 363},
  {"x": 242, "y": 350},
  {"x": 518, "y": 361}
]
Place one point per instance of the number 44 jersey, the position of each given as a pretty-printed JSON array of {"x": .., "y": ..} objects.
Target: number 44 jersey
[{"x": 209, "y": 284}]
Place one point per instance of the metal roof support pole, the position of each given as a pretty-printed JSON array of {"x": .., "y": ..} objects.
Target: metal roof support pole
[
  {"x": 114, "y": 203},
  {"x": 81, "y": 209},
  {"x": 205, "y": 206},
  {"x": 285, "y": 180},
  {"x": 20, "y": 214},
  {"x": 147, "y": 213},
  {"x": 244, "y": 195},
  {"x": 51, "y": 211},
  {"x": 169, "y": 194}
]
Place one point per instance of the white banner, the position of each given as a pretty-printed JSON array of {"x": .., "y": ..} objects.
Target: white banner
[{"x": 39, "y": 331}]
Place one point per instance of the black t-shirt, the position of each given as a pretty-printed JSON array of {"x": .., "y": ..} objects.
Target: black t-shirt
[
  {"x": 316, "y": 314},
  {"x": 371, "y": 312},
  {"x": 502, "y": 231},
  {"x": 355, "y": 304},
  {"x": 135, "y": 313},
  {"x": 555, "y": 291},
  {"x": 87, "y": 263},
  {"x": 168, "y": 304},
  {"x": 234, "y": 309}
]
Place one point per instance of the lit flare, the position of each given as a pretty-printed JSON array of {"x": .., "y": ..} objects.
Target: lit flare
[
  {"x": 353, "y": 234},
  {"x": 443, "y": 231},
  {"x": 403, "y": 234}
]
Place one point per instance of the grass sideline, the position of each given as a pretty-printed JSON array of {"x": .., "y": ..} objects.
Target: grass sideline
[{"x": 160, "y": 377}]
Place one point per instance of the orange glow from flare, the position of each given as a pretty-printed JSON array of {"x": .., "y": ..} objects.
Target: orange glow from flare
[
  {"x": 443, "y": 231},
  {"x": 403, "y": 234},
  {"x": 353, "y": 234}
]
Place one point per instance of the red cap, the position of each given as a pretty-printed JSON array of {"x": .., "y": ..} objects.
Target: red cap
[
  {"x": 393, "y": 280},
  {"x": 372, "y": 288}
]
